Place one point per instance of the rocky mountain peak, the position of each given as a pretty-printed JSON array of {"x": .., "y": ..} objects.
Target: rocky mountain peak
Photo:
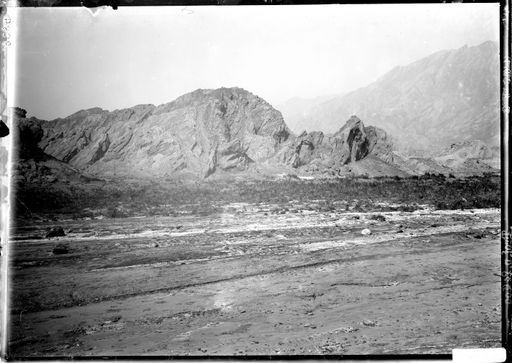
[
  {"x": 86, "y": 112},
  {"x": 198, "y": 133},
  {"x": 353, "y": 121}
]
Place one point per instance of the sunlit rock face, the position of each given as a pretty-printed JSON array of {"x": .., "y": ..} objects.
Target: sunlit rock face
[{"x": 198, "y": 134}]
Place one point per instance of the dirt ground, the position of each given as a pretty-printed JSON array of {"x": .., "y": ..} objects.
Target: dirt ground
[{"x": 258, "y": 280}]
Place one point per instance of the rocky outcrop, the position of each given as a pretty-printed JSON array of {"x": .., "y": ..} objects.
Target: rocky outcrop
[
  {"x": 199, "y": 133},
  {"x": 351, "y": 143},
  {"x": 380, "y": 144},
  {"x": 17, "y": 113},
  {"x": 33, "y": 165},
  {"x": 467, "y": 155},
  {"x": 464, "y": 158},
  {"x": 27, "y": 137}
]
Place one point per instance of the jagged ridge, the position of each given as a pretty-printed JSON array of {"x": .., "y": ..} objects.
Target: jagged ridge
[{"x": 199, "y": 134}]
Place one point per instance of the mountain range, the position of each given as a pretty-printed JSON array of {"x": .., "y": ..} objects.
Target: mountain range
[
  {"x": 448, "y": 97},
  {"x": 439, "y": 114}
]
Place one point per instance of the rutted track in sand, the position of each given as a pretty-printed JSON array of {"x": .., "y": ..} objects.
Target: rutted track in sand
[
  {"x": 326, "y": 289},
  {"x": 305, "y": 247}
]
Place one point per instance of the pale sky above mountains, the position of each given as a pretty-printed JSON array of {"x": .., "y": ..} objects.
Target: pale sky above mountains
[{"x": 69, "y": 59}]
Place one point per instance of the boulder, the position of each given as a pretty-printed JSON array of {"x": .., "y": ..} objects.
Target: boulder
[{"x": 366, "y": 232}]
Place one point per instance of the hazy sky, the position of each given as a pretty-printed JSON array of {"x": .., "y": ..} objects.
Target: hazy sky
[{"x": 71, "y": 59}]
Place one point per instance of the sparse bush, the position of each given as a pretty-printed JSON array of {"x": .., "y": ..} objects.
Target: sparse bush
[
  {"x": 440, "y": 177},
  {"x": 407, "y": 208},
  {"x": 60, "y": 249},
  {"x": 441, "y": 205},
  {"x": 378, "y": 217},
  {"x": 113, "y": 212},
  {"x": 205, "y": 198}
]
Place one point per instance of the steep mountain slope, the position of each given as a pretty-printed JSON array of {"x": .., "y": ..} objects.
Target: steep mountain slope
[
  {"x": 196, "y": 134},
  {"x": 451, "y": 96}
]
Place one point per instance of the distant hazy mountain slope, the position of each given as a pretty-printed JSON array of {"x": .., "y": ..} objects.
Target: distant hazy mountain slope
[
  {"x": 297, "y": 112},
  {"x": 448, "y": 97}
]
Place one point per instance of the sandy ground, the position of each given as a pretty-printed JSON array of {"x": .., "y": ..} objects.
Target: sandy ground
[{"x": 256, "y": 280}]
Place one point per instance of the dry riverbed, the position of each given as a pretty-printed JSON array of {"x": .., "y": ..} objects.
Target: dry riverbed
[{"x": 259, "y": 280}]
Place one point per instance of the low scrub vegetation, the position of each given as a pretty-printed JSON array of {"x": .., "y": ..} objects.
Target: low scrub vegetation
[{"x": 204, "y": 198}]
